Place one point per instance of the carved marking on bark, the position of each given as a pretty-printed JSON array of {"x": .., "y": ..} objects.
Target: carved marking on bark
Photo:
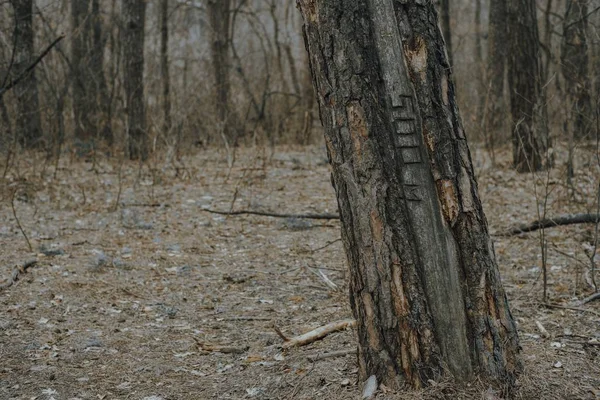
[
  {"x": 449, "y": 200},
  {"x": 445, "y": 89}
]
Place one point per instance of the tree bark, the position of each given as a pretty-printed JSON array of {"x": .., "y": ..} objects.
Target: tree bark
[
  {"x": 219, "y": 15},
  {"x": 90, "y": 91},
  {"x": 575, "y": 59},
  {"x": 527, "y": 100},
  {"x": 164, "y": 65},
  {"x": 445, "y": 20},
  {"x": 425, "y": 287},
  {"x": 496, "y": 67},
  {"x": 134, "y": 12},
  {"x": 28, "y": 121}
]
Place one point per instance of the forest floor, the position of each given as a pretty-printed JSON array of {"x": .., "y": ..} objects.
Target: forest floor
[{"x": 134, "y": 281}]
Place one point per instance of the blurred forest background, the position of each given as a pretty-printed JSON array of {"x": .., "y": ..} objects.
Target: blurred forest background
[{"x": 140, "y": 77}]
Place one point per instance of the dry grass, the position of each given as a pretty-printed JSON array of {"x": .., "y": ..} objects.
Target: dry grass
[{"x": 121, "y": 312}]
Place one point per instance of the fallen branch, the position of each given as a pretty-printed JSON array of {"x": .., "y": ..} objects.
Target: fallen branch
[
  {"x": 317, "y": 334},
  {"x": 17, "y": 272},
  {"x": 589, "y": 299},
  {"x": 273, "y": 215},
  {"x": 552, "y": 222},
  {"x": 220, "y": 349},
  {"x": 332, "y": 354}
]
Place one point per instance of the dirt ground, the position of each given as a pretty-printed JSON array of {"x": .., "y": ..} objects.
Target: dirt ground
[{"x": 134, "y": 281}]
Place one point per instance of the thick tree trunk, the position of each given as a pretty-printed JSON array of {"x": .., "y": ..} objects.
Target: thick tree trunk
[
  {"x": 495, "y": 113},
  {"x": 425, "y": 287},
  {"x": 574, "y": 57},
  {"x": 527, "y": 101},
  {"x": 134, "y": 12},
  {"x": 219, "y": 16},
  {"x": 28, "y": 126},
  {"x": 164, "y": 65}
]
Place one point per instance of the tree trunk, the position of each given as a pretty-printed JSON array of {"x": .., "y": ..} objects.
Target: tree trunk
[
  {"x": 445, "y": 20},
  {"x": 133, "y": 57},
  {"x": 28, "y": 121},
  {"x": 100, "y": 87},
  {"x": 90, "y": 92},
  {"x": 424, "y": 287},
  {"x": 496, "y": 66},
  {"x": 164, "y": 65},
  {"x": 574, "y": 57},
  {"x": 82, "y": 99},
  {"x": 219, "y": 16},
  {"x": 527, "y": 100}
]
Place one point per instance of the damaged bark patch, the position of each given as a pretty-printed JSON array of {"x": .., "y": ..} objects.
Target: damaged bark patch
[
  {"x": 357, "y": 126},
  {"x": 416, "y": 54},
  {"x": 309, "y": 9},
  {"x": 448, "y": 200}
]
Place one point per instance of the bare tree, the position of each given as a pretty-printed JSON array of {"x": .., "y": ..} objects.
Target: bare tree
[
  {"x": 134, "y": 13},
  {"x": 219, "y": 12},
  {"x": 164, "y": 65},
  {"x": 496, "y": 67},
  {"x": 527, "y": 100},
  {"x": 90, "y": 92},
  {"x": 28, "y": 126},
  {"x": 575, "y": 60},
  {"x": 424, "y": 283}
]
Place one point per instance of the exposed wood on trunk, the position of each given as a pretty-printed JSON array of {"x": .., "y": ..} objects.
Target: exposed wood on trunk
[{"x": 424, "y": 284}]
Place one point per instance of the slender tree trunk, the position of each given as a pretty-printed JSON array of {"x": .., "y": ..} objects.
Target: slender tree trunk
[
  {"x": 164, "y": 65},
  {"x": 575, "y": 68},
  {"x": 219, "y": 15},
  {"x": 101, "y": 96},
  {"x": 445, "y": 21},
  {"x": 495, "y": 113},
  {"x": 83, "y": 104},
  {"x": 90, "y": 91},
  {"x": 527, "y": 101},
  {"x": 28, "y": 121},
  {"x": 424, "y": 283},
  {"x": 134, "y": 12},
  {"x": 478, "y": 57}
]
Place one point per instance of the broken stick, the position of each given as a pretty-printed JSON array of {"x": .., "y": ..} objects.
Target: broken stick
[
  {"x": 552, "y": 222},
  {"x": 317, "y": 334},
  {"x": 17, "y": 272}
]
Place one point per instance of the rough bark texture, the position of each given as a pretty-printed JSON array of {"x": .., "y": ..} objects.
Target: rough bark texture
[
  {"x": 574, "y": 57},
  {"x": 134, "y": 12},
  {"x": 28, "y": 124},
  {"x": 90, "y": 92},
  {"x": 219, "y": 16},
  {"x": 495, "y": 113},
  {"x": 527, "y": 100},
  {"x": 445, "y": 21},
  {"x": 425, "y": 287},
  {"x": 164, "y": 65}
]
